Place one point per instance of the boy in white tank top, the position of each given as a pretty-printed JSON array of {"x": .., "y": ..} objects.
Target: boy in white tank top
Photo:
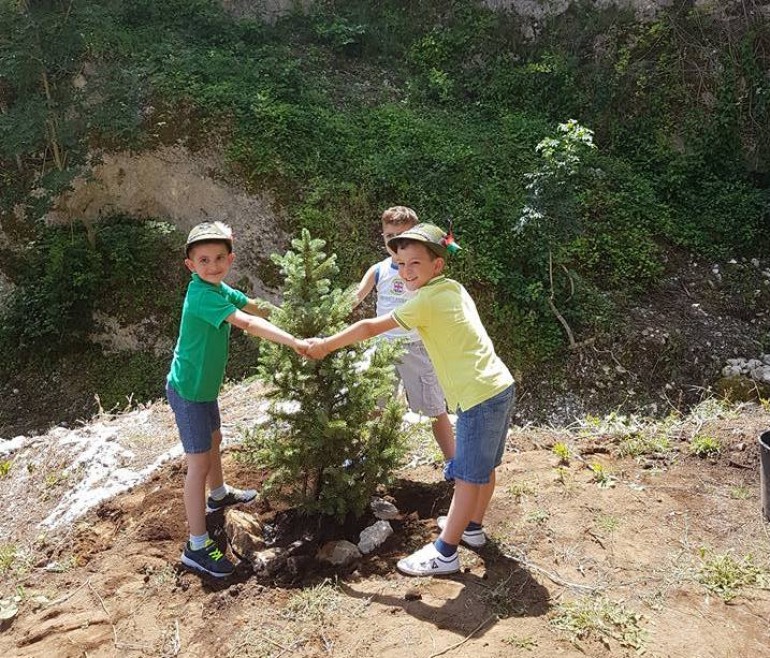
[{"x": 423, "y": 392}]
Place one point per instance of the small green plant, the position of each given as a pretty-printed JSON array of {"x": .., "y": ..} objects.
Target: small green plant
[
  {"x": 607, "y": 523},
  {"x": 726, "y": 575},
  {"x": 562, "y": 475},
  {"x": 600, "y": 617},
  {"x": 740, "y": 493},
  {"x": 562, "y": 451},
  {"x": 521, "y": 642},
  {"x": 537, "y": 516},
  {"x": 602, "y": 475},
  {"x": 5, "y": 467},
  {"x": 639, "y": 445},
  {"x": 521, "y": 490},
  {"x": 705, "y": 446},
  {"x": 8, "y": 554}
]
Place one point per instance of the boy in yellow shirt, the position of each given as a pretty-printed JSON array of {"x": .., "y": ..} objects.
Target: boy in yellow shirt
[{"x": 476, "y": 382}]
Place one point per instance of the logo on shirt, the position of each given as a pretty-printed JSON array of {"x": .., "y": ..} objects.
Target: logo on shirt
[{"x": 398, "y": 287}]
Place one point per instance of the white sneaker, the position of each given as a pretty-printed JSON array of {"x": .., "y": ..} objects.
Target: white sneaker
[
  {"x": 473, "y": 538},
  {"x": 429, "y": 562}
]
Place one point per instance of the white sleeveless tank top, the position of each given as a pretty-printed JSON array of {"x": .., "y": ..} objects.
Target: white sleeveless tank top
[{"x": 391, "y": 293}]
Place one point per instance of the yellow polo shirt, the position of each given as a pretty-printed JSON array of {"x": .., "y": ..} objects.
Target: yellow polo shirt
[{"x": 458, "y": 345}]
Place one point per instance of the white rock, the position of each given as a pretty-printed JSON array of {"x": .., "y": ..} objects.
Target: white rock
[{"x": 731, "y": 371}]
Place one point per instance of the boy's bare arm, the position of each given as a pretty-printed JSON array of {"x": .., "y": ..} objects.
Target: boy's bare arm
[
  {"x": 257, "y": 326},
  {"x": 365, "y": 286},
  {"x": 361, "y": 330},
  {"x": 259, "y": 307}
]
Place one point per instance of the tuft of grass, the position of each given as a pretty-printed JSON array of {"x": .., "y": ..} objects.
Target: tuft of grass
[
  {"x": 537, "y": 516},
  {"x": 500, "y": 600},
  {"x": 640, "y": 445},
  {"x": 607, "y": 523},
  {"x": 523, "y": 642},
  {"x": 8, "y": 553},
  {"x": 314, "y": 605},
  {"x": 562, "y": 451},
  {"x": 562, "y": 475},
  {"x": 740, "y": 493},
  {"x": 601, "y": 617},
  {"x": 705, "y": 446},
  {"x": 521, "y": 490},
  {"x": 5, "y": 467},
  {"x": 726, "y": 575},
  {"x": 602, "y": 476}
]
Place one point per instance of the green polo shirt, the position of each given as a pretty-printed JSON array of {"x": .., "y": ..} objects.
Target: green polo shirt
[
  {"x": 200, "y": 355},
  {"x": 458, "y": 345}
]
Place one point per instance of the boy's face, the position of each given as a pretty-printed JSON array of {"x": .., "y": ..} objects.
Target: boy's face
[
  {"x": 211, "y": 262},
  {"x": 390, "y": 231},
  {"x": 417, "y": 265}
]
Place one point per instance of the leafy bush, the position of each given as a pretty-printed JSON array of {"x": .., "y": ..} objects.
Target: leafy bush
[{"x": 69, "y": 272}]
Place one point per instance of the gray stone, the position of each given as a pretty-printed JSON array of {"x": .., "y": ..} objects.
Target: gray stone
[
  {"x": 339, "y": 553},
  {"x": 374, "y": 536},
  {"x": 384, "y": 509}
]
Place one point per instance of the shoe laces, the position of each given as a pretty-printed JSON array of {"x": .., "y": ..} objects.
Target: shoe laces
[{"x": 214, "y": 553}]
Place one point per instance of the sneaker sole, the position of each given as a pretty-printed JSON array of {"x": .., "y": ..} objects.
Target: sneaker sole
[
  {"x": 192, "y": 564},
  {"x": 468, "y": 540}
]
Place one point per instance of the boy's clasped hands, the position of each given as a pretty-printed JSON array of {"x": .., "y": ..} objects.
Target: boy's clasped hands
[{"x": 312, "y": 348}]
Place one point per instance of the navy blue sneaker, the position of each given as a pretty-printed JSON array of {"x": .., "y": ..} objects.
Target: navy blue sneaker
[{"x": 208, "y": 559}]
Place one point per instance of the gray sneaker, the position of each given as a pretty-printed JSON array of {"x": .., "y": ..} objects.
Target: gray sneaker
[
  {"x": 232, "y": 497},
  {"x": 472, "y": 538}
]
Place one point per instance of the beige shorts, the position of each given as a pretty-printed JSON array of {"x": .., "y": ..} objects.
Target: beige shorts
[{"x": 423, "y": 392}]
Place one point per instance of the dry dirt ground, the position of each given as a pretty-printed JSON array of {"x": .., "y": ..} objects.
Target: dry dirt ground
[{"x": 608, "y": 538}]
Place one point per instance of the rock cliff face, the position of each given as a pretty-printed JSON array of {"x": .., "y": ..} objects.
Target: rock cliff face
[{"x": 175, "y": 185}]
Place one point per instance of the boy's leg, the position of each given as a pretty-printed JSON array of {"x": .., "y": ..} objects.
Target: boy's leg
[
  {"x": 220, "y": 494},
  {"x": 444, "y": 435},
  {"x": 425, "y": 396},
  {"x": 198, "y": 465},
  {"x": 469, "y": 503},
  {"x": 196, "y": 422},
  {"x": 215, "y": 477}
]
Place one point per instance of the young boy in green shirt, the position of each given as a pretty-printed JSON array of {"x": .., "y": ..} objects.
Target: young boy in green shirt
[
  {"x": 210, "y": 308},
  {"x": 474, "y": 379}
]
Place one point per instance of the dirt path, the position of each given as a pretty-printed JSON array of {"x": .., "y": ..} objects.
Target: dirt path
[{"x": 662, "y": 553}]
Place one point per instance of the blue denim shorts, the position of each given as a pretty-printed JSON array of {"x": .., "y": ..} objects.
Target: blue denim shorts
[
  {"x": 196, "y": 421},
  {"x": 480, "y": 434}
]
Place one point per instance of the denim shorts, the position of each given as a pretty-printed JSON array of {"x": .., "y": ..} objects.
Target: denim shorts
[
  {"x": 196, "y": 421},
  {"x": 480, "y": 434}
]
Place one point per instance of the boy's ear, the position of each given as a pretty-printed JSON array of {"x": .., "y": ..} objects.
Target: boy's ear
[
  {"x": 189, "y": 264},
  {"x": 438, "y": 265}
]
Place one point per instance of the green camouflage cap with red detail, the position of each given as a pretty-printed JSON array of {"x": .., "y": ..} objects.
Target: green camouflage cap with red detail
[{"x": 433, "y": 237}]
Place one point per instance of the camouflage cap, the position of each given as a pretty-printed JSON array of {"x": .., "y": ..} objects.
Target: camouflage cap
[{"x": 439, "y": 242}]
